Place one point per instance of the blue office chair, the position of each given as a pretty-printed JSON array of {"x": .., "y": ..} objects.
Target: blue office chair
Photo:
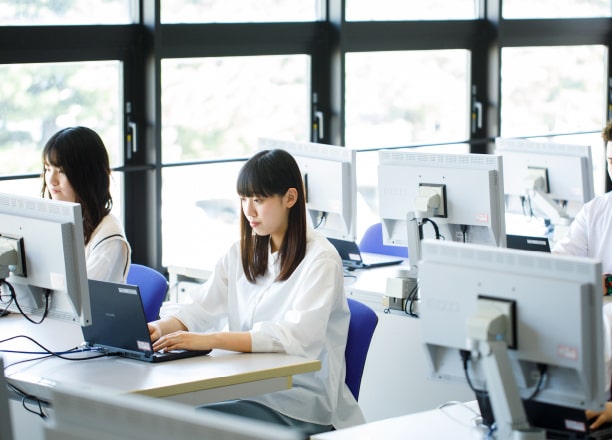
[
  {"x": 153, "y": 287},
  {"x": 372, "y": 241},
  {"x": 361, "y": 329}
]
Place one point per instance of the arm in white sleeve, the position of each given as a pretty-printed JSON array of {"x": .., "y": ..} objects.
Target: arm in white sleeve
[{"x": 575, "y": 241}]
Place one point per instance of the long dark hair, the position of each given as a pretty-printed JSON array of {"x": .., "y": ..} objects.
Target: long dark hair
[
  {"x": 82, "y": 156},
  {"x": 271, "y": 173}
]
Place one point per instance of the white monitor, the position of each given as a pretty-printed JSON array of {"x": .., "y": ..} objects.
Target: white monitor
[
  {"x": 546, "y": 180},
  {"x": 330, "y": 183},
  {"x": 98, "y": 414},
  {"x": 542, "y": 311},
  {"x": 44, "y": 250},
  {"x": 458, "y": 197}
]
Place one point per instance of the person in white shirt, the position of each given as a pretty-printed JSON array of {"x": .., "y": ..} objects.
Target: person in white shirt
[
  {"x": 279, "y": 289},
  {"x": 77, "y": 169},
  {"x": 590, "y": 235}
]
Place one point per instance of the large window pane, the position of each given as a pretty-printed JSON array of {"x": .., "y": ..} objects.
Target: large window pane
[
  {"x": 200, "y": 213},
  {"x": 36, "y": 100},
  {"x": 224, "y": 11},
  {"x": 44, "y": 12},
  {"x": 366, "y": 10},
  {"x": 402, "y": 98},
  {"x": 552, "y": 90},
  {"x": 219, "y": 107},
  {"x": 555, "y": 8}
]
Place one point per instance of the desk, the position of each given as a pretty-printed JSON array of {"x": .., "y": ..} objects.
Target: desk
[
  {"x": 394, "y": 380},
  {"x": 455, "y": 422},
  {"x": 219, "y": 376}
]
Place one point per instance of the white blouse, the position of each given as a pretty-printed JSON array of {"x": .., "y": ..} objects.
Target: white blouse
[
  {"x": 108, "y": 253},
  {"x": 306, "y": 315}
]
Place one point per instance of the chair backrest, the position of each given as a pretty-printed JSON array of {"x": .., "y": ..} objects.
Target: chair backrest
[
  {"x": 361, "y": 329},
  {"x": 372, "y": 241},
  {"x": 153, "y": 287}
]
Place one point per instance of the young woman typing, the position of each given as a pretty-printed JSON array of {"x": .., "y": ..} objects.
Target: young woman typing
[{"x": 279, "y": 289}]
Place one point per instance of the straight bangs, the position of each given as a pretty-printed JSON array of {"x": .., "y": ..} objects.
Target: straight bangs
[
  {"x": 259, "y": 178},
  {"x": 52, "y": 155}
]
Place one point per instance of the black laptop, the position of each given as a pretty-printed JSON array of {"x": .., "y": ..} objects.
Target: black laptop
[
  {"x": 527, "y": 243},
  {"x": 559, "y": 422},
  {"x": 119, "y": 325},
  {"x": 353, "y": 258}
]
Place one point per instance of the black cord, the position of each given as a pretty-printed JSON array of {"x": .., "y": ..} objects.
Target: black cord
[
  {"x": 542, "y": 368},
  {"x": 321, "y": 220},
  {"x": 433, "y": 224},
  {"x": 14, "y": 299},
  {"x": 412, "y": 297},
  {"x": 465, "y": 357},
  {"x": 60, "y": 355},
  {"x": 5, "y": 310},
  {"x": 464, "y": 229},
  {"x": 27, "y": 397},
  {"x": 527, "y": 212}
]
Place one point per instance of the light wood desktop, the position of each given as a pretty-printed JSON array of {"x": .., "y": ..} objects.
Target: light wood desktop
[{"x": 219, "y": 376}]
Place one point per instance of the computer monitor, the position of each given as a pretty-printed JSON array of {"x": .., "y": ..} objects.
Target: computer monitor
[
  {"x": 504, "y": 318},
  {"x": 546, "y": 180},
  {"x": 455, "y": 197},
  {"x": 42, "y": 256},
  {"x": 330, "y": 184},
  {"x": 98, "y": 414}
]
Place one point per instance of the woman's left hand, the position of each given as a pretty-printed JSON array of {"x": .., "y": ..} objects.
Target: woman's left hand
[{"x": 181, "y": 340}]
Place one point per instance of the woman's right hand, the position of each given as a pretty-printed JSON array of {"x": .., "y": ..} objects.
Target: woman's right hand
[{"x": 600, "y": 417}]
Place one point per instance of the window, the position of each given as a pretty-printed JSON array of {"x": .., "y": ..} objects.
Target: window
[
  {"x": 37, "y": 100},
  {"x": 219, "y": 107},
  {"x": 200, "y": 213},
  {"x": 56, "y": 13},
  {"x": 513, "y": 9},
  {"x": 552, "y": 90},
  {"x": 224, "y": 11},
  {"x": 390, "y": 10},
  {"x": 408, "y": 97}
]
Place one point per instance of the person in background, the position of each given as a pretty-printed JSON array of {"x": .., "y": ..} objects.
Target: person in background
[
  {"x": 77, "y": 169},
  {"x": 279, "y": 289},
  {"x": 590, "y": 235}
]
